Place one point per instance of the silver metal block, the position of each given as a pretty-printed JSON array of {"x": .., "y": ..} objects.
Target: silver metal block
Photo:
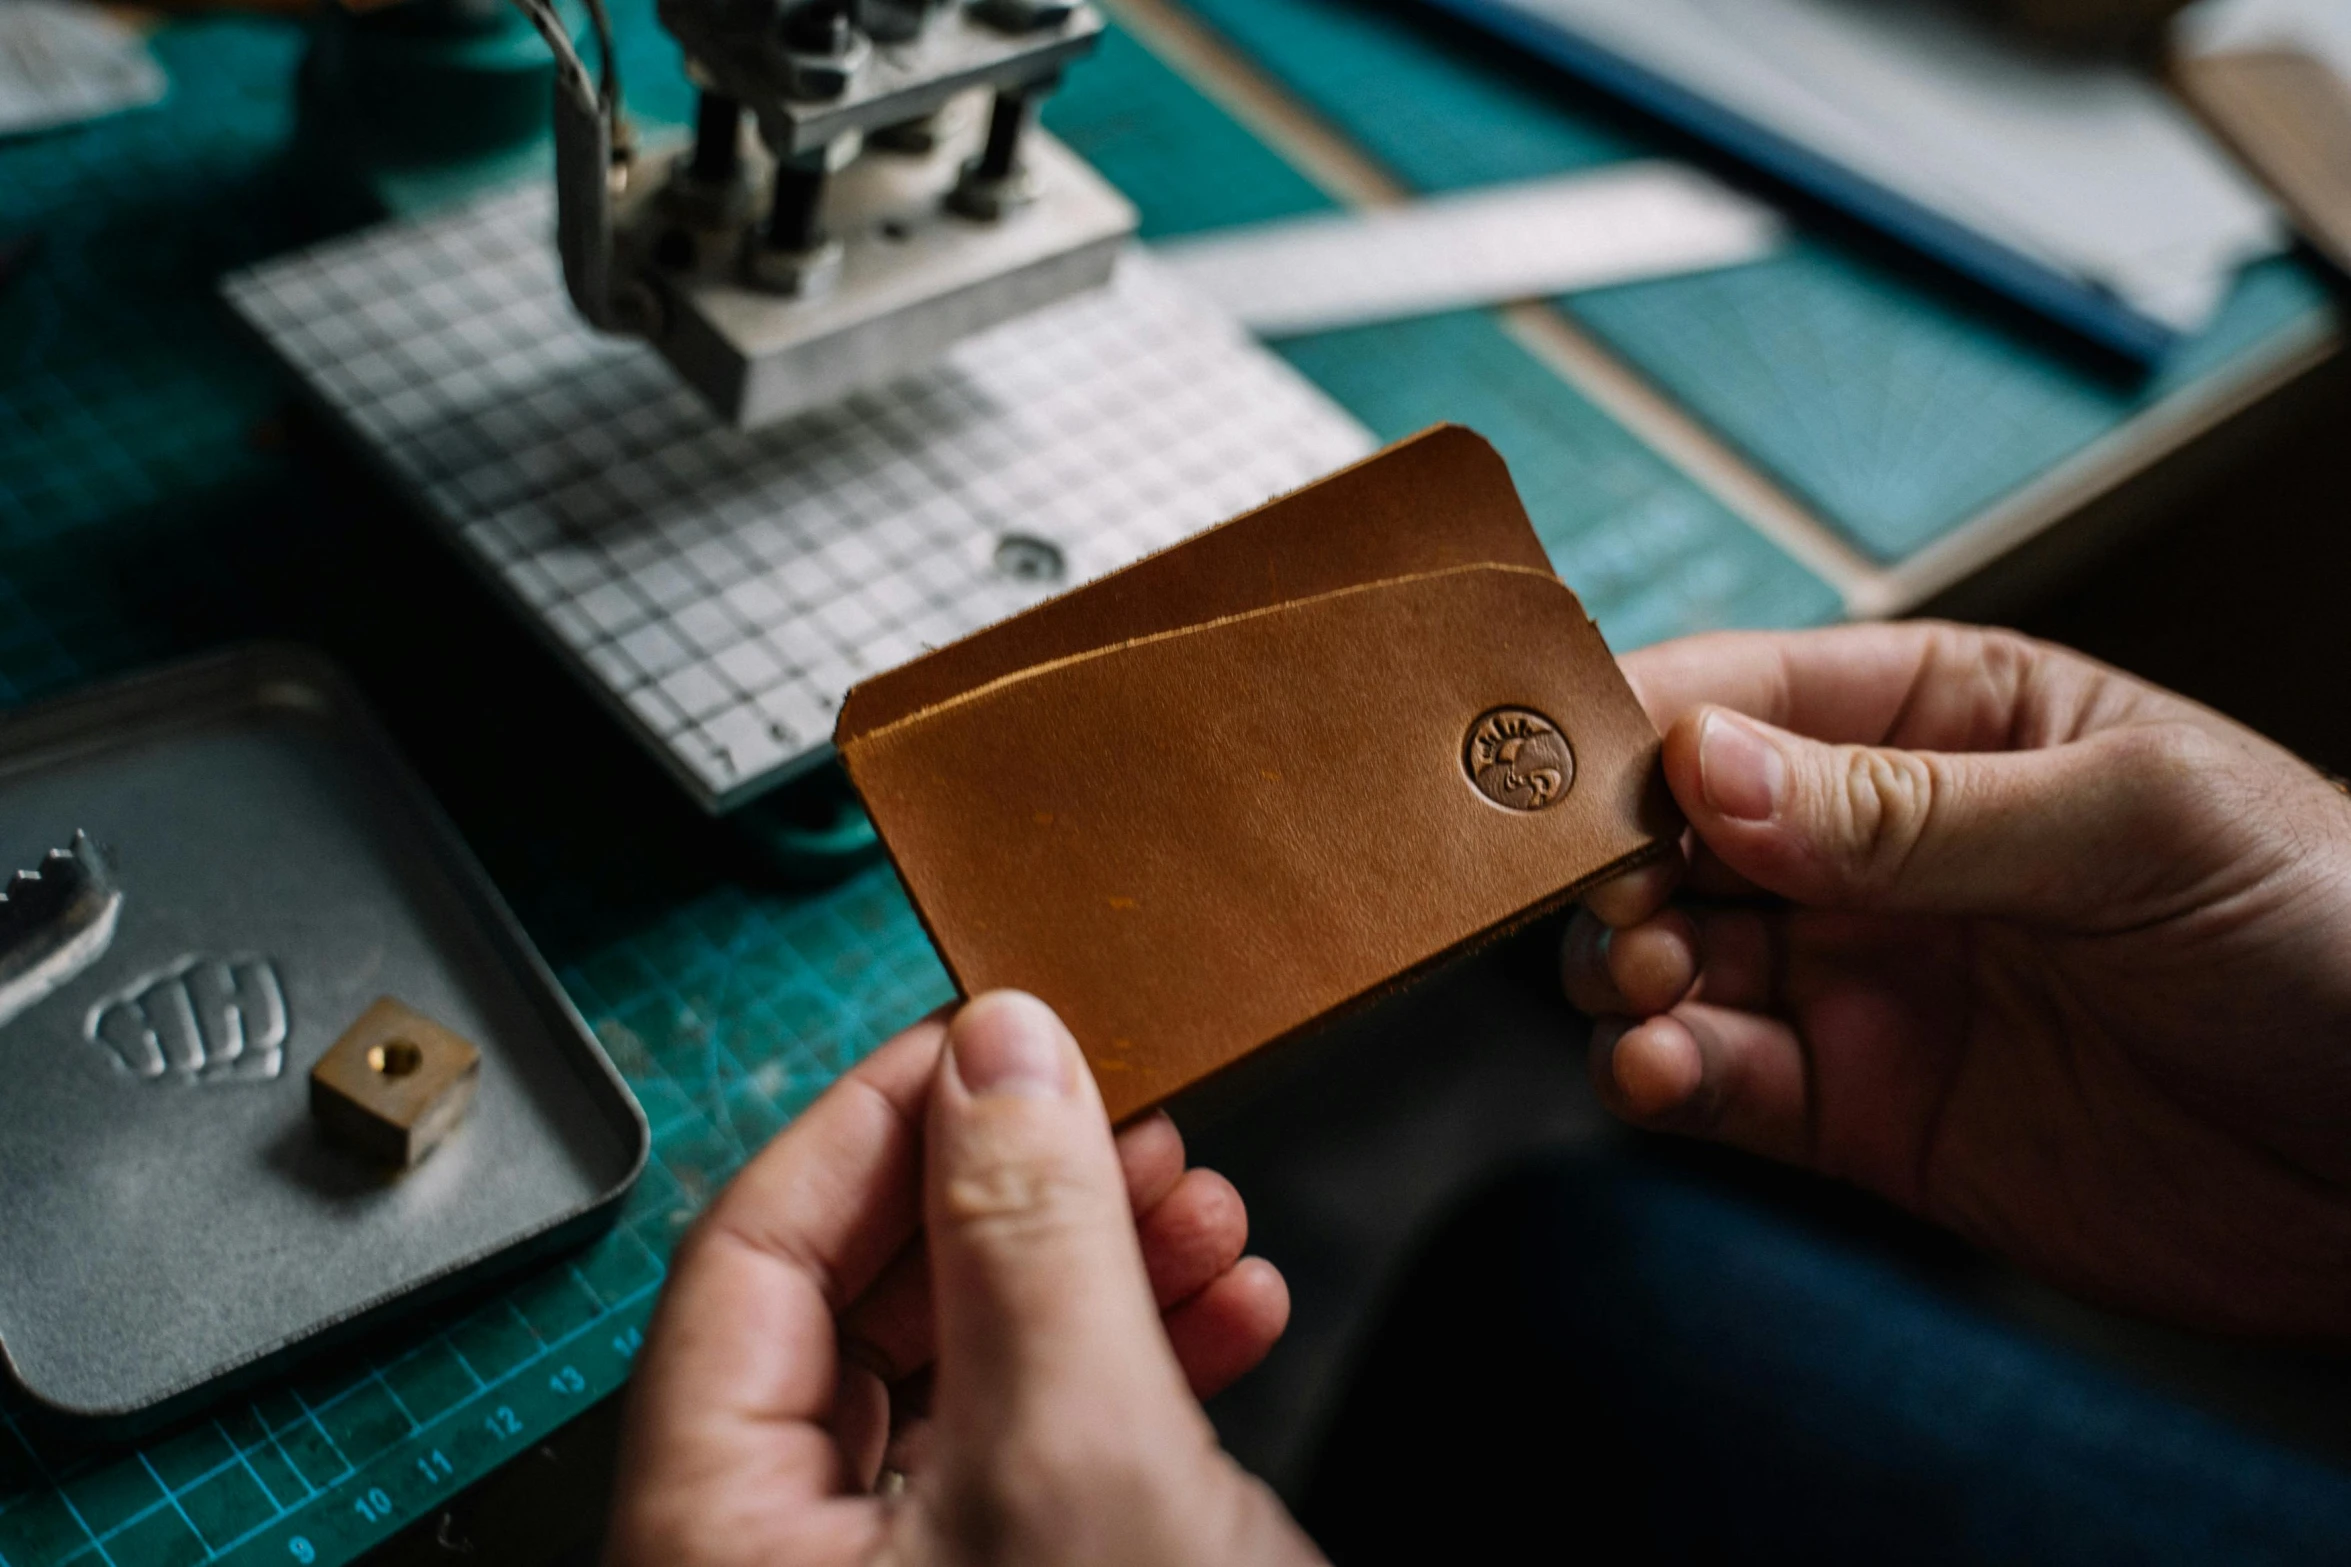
[
  {"x": 913, "y": 279},
  {"x": 55, "y": 921}
]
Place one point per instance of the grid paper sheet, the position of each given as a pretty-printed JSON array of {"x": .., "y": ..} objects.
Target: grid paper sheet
[{"x": 725, "y": 588}]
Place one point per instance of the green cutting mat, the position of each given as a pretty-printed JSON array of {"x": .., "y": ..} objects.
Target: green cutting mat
[
  {"x": 151, "y": 503},
  {"x": 1896, "y": 407},
  {"x": 1652, "y": 555}
]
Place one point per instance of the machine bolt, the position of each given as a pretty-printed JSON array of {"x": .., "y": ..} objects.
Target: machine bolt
[
  {"x": 823, "y": 51},
  {"x": 793, "y": 215},
  {"x": 1022, "y": 16},
  {"x": 894, "y": 21},
  {"x": 800, "y": 274},
  {"x": 793, "y": 255},
  {"x": 994, "y": 183},
  {"x": 819, "y": 27},
  {"x": 718, "y": 125}
]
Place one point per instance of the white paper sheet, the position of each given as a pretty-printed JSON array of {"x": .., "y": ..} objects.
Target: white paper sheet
[
  {"x": 1482, "y": 247},
  {"x": 2087, "y": 167},
  {"x": 62, "y": 62},
  {"x": 2319, "y": 28}
]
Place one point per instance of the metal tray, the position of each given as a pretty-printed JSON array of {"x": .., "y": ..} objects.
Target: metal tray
[{"x": 170, "y": 1222}]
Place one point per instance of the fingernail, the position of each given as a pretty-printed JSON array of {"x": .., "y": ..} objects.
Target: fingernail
[
  {"x": 1740, "y": 771},
  {"x": 1010, "y": 1043}
]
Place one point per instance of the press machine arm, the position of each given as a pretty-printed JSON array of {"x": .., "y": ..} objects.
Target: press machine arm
[{"x": 683, "y": 249}]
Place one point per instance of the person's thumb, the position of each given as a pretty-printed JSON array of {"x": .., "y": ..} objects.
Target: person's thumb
[
  {"x": 2061, "y": 833},
  {"x": 1044, "y": 1311}
]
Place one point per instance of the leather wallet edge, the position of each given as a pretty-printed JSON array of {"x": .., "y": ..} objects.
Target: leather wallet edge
[
  {"x": 1364, "y": 1001},
  {"x": 851, "y": 745},
  {"x": 1465, "y": 462}
]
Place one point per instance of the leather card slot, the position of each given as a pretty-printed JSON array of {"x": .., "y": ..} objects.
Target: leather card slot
[
  {"x": 1202, "y": 838},
  {"x": 1438, "y": 500}
]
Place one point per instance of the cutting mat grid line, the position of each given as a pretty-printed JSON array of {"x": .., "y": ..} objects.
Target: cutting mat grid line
[{"x": 223, "y": 1506}]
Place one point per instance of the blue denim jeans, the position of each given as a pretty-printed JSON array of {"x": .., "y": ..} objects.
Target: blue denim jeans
[{"x": 1658, "y": 1358}]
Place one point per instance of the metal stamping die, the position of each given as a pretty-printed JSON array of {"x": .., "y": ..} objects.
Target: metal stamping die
[{"x": 395, "y": 1085}]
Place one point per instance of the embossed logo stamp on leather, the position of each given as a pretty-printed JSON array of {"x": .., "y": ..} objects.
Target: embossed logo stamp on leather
[
  {"x": 1518, "y": 759},
  {"x": 200, "y": 1020}
]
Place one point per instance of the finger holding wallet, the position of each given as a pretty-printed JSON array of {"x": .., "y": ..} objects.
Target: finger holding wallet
[
  {"x": 2031, "y": 947},
  {"x": 953, "y": 1230}
]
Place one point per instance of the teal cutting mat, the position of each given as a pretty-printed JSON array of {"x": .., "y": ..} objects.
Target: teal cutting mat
[
  {"x": 1652, "y": 555},
  {"x": 151, "y": 503},
  {"x": 1873, "y": 390}
]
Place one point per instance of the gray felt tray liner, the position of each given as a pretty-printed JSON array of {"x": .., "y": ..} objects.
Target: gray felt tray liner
[{"x": 163, "y": 1236}]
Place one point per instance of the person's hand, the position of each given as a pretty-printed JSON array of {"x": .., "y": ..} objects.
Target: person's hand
[
  {"x": 950, "y": 1226},
  {"x": 2034, "y": 949}
]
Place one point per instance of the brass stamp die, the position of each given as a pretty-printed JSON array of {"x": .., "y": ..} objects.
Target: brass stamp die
[{"x": 395, "y": 1085}]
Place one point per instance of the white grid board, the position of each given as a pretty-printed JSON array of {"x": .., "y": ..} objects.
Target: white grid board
[{"x": 725, "y": 588}]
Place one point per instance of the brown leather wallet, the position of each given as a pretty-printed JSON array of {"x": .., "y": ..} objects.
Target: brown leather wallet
[{"x": 1214, "y": 798}]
